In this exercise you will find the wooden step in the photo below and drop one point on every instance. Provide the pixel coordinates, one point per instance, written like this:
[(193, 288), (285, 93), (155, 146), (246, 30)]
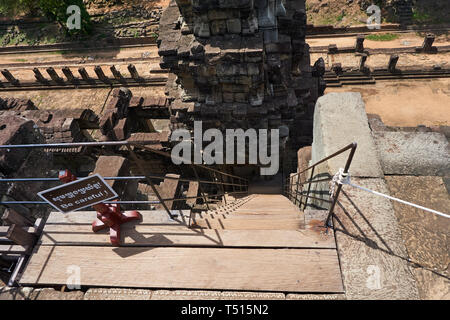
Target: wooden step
[(250, 216), (264, 212), (277, 270), (157, 230), (251, 224)]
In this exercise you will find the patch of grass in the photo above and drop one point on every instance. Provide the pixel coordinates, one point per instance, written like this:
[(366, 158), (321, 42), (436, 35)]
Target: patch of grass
[(420, 16), (382, 37), (340, 17)]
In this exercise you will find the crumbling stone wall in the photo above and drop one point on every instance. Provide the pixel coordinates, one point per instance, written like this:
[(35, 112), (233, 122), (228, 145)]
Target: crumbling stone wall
[(21, 163), (240, 63)]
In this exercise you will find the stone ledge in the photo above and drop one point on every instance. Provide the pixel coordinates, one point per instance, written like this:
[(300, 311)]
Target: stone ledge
[(185, 295), (374, 260), (413, 153), (117, 294), (340, 119)]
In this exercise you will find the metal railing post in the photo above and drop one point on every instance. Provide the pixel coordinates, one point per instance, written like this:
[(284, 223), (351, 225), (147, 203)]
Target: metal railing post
[(200, 187), (149, 180), (221, 186), (338, 190), (309, 189)]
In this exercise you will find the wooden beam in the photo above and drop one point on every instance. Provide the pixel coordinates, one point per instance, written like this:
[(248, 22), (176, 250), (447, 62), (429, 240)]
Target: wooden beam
[(4, 230), (20, 236), (179, 235), (13, 249), (157, 229), (11, 217)]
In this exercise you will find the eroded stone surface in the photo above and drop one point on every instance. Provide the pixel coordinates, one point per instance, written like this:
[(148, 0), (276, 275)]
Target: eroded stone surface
[(230, 295), (52, 294), (293, 296), (426, 235), (413, 153), (117, 294), (185, 295), (8, 293), (374, 260)]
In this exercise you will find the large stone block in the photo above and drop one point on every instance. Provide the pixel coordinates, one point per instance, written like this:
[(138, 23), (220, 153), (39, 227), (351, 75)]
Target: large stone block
[(413, 153), (16, 130), (372, 254), (115, 166), (341, 119)]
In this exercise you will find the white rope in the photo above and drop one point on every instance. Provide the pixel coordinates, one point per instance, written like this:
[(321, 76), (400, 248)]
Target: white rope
[(344, 178)]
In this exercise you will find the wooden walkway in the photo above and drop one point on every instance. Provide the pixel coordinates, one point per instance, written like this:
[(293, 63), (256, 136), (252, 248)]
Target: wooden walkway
[(259, 243)]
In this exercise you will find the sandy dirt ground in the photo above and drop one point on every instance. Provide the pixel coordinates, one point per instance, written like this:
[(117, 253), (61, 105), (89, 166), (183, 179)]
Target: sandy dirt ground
[(95, 9), (93, 99), (143, 68), (24, 62), (148, 52), (404, 40), (406, 103), (406, 60)]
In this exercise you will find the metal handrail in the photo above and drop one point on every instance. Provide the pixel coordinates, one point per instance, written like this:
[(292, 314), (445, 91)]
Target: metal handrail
[(241, 182), (130, 201), (289, 184), (165, 154), (116, 179), (141, 144)]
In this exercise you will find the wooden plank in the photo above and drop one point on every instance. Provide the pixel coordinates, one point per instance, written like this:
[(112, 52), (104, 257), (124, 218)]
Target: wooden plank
[(178, 235), (253, 224), (240, 211), (4, 230), (232, 216), (11, 217), (149, 217), (157, 229), (13, 249), (277, 270), (20, 236)]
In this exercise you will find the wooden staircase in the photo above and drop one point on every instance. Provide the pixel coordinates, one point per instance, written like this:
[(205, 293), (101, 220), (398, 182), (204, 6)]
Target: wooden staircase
[(255, 212), (260, 242)]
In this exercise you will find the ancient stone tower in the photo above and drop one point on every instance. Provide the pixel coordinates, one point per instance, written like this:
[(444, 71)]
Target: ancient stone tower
[(240, 64)]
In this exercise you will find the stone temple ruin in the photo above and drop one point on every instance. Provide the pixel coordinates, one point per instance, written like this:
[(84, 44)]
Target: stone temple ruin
[(240, 64), (231, 64)]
